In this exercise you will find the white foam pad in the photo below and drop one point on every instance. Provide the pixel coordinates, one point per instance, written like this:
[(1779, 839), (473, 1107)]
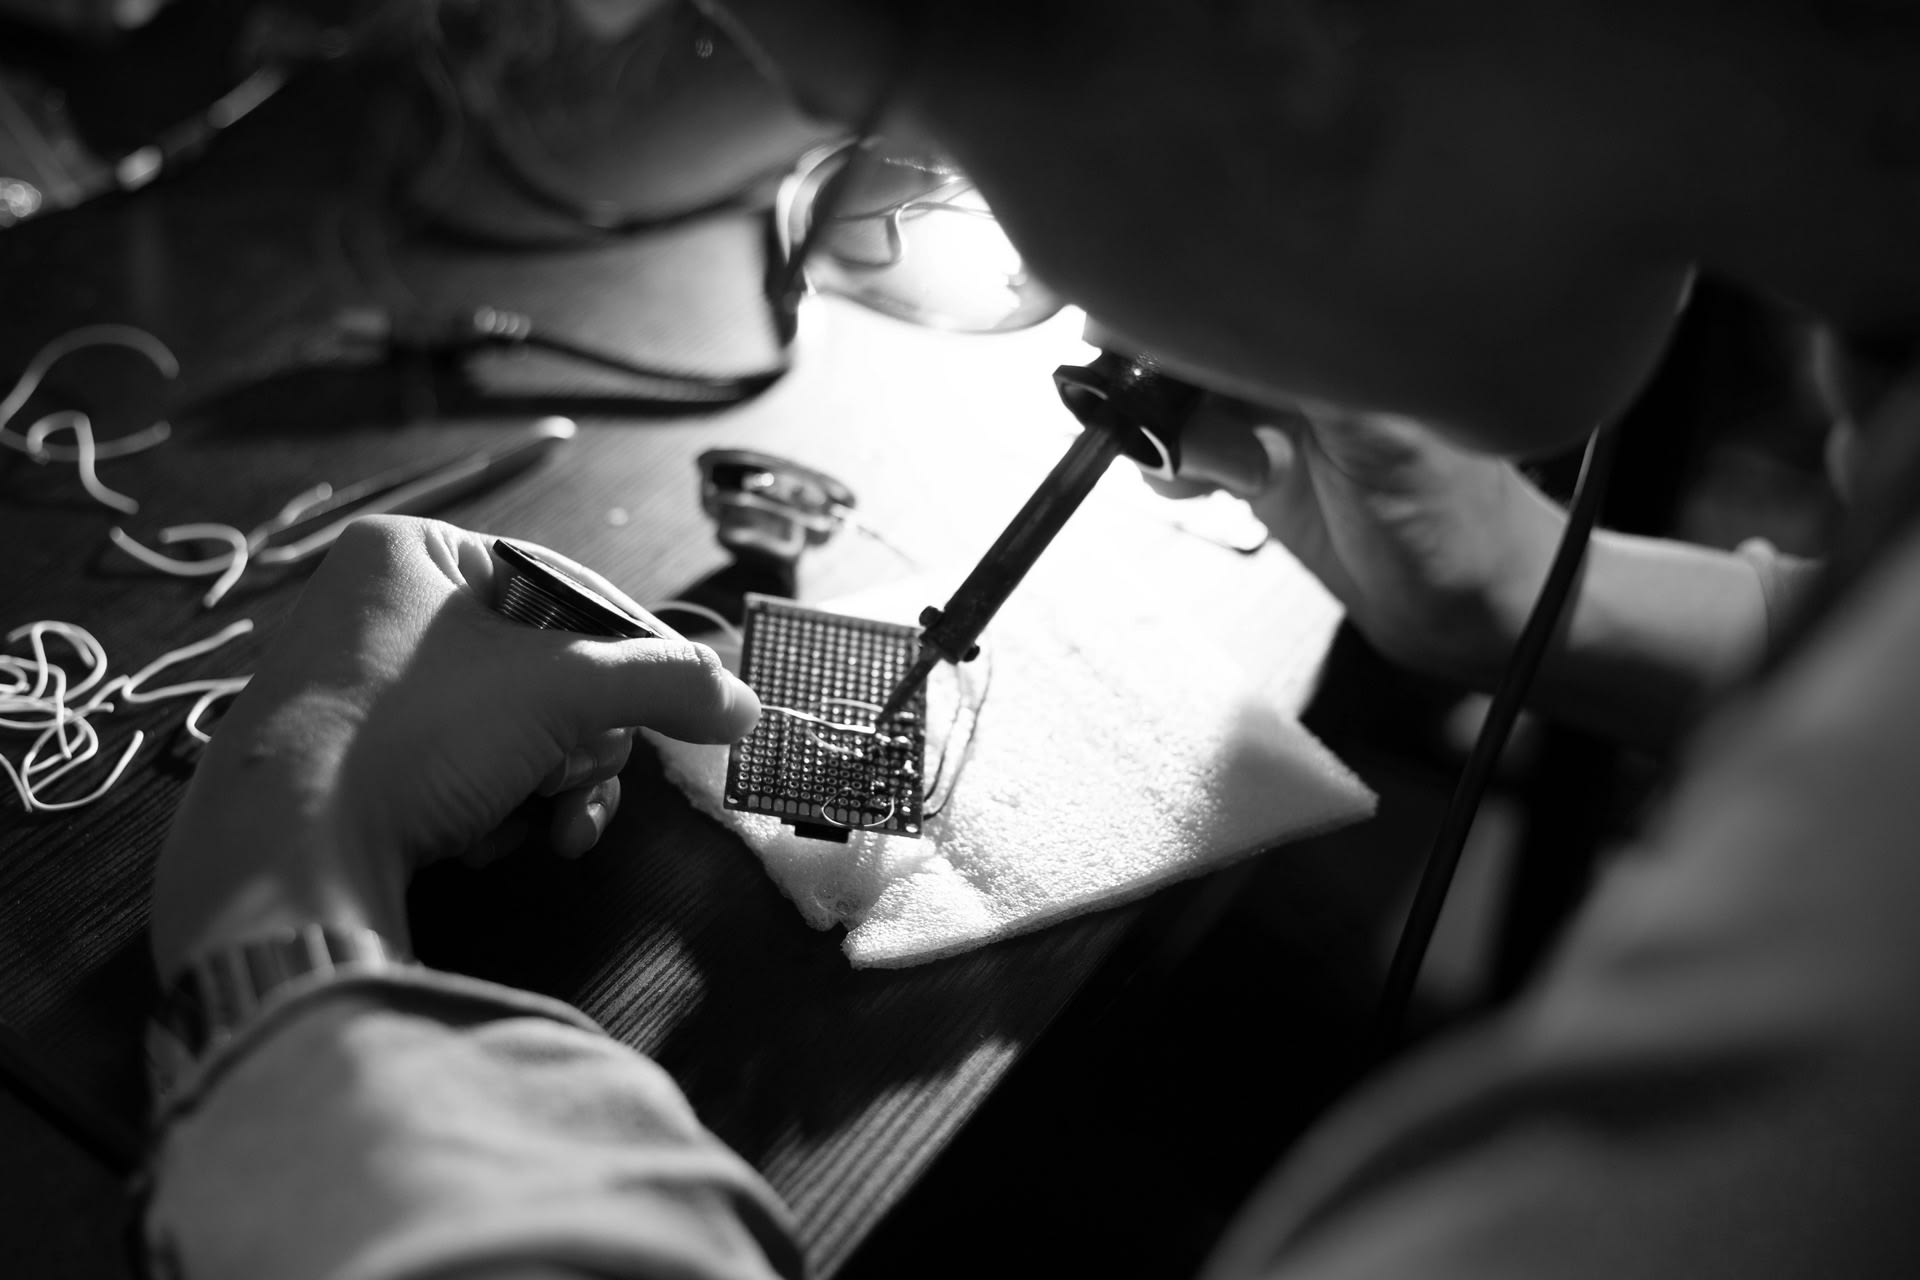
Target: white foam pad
[(1139, 727)]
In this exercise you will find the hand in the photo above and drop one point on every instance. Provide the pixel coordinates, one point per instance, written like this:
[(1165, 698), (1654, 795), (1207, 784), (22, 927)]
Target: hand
[(1436, 553), (398, 719)]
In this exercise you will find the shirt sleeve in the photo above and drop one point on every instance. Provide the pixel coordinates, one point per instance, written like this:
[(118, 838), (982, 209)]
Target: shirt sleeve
[(1716, 1075), (412, 1124), (1784, 579)]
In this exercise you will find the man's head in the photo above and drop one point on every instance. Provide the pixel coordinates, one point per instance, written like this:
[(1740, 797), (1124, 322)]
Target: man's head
[(1479, 212)]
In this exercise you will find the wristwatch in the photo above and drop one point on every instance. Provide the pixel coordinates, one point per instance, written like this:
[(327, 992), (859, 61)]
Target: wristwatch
[(222, 991)]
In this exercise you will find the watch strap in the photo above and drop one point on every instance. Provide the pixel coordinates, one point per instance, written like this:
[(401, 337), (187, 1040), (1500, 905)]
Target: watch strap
[(222, 991)]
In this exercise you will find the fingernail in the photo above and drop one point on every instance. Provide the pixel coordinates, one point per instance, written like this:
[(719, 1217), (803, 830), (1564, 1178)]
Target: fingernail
[(575, 844), (572, 771), (1279, 448)]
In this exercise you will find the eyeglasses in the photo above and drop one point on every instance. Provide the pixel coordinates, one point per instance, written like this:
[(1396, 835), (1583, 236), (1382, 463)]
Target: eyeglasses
[(906, 233)]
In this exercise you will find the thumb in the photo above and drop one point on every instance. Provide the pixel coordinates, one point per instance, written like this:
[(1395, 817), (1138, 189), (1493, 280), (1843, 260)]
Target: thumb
[(671, 686), (1237, 445), (1220, 450)]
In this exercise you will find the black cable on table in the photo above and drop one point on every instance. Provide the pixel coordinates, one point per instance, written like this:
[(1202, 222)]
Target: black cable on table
[(1508, 700)]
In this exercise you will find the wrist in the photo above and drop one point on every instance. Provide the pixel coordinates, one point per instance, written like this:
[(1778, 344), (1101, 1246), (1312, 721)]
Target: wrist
[(1656, 628), (224, 995), (1466, 630), (1535, 525), (207, 899), (261, 843)]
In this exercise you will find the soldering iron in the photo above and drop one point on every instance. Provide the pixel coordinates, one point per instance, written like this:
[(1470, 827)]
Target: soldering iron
[(1129, 407)]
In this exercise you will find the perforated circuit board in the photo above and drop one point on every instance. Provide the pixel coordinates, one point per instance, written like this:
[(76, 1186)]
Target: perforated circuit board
[(816, 759)]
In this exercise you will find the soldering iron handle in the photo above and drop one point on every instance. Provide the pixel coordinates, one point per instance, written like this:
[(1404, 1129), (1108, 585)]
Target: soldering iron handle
[(1143, 406), (955, 633), (1126, 404)]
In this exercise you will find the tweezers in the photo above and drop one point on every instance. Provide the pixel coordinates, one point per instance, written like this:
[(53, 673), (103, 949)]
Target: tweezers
[(312, 522)]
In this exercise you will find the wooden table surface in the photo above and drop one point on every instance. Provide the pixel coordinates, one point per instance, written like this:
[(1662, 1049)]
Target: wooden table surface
[(839, 1084)]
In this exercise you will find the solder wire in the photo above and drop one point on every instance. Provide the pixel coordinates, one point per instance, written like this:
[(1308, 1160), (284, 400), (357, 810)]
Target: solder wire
[(714, 616), (856, 728), (962, 709), (893, 807)]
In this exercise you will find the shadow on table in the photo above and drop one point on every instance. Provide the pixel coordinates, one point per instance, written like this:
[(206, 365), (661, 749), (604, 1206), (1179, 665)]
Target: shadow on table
[(674, 938), (319, 399)]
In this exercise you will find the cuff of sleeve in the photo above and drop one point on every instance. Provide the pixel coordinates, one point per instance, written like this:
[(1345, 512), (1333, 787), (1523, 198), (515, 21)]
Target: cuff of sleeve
[(411, 1123), (1784, 580), (462, 998)]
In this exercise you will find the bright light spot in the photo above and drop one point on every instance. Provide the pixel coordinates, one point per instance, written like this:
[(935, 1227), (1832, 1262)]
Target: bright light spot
[(18, 200), (964, 253)]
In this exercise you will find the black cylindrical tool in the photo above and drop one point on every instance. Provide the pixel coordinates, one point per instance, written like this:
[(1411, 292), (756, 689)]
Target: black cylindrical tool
[(1128, 406)]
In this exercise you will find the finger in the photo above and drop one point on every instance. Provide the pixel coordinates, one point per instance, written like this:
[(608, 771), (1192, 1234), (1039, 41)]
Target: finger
[(601, 756), (1221, 446), (580, 817), (1177, 489), (672, 687), (1217, 447), (1282, 450)]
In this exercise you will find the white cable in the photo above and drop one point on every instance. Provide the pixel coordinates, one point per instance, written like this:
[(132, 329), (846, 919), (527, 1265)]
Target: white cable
[(177, 656), (85, 455), (206, 701), (296, 506), (56, 806), (40, 698), (80, 638), (238, 545), (63, 763), (229, 565), (164, 563), (93, 335), (19, 784), (718, 619), (124, 446)]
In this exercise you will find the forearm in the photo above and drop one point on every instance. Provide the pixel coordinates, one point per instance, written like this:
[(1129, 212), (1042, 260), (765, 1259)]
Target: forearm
[(404, 1126), (259, 846), (1652, 627), (1656, 627)]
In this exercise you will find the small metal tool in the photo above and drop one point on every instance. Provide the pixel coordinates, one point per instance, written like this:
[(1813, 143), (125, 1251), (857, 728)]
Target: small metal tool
[(540, 594), (305, 531), (1127, 406), (769, 509)]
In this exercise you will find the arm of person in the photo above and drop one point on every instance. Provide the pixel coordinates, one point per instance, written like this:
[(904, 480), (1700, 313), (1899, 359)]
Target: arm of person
[(1438, 555), (422, 1124), (1714, 1074), (1655, 627), (397, 1121)]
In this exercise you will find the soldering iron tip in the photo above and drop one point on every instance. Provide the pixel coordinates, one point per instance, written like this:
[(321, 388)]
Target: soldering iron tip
[(909, 685)]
